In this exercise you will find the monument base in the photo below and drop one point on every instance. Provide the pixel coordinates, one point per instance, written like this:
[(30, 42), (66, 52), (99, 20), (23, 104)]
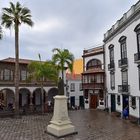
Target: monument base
[(60, 124), (61, 131)]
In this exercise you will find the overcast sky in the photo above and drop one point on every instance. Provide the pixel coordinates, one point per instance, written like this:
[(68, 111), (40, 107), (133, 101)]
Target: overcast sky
[(71, 24)]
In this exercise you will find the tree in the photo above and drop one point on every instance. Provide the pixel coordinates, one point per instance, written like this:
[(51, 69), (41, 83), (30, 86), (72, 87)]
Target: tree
[(0, 32), (63, 58), (39, 71), (14, 16)]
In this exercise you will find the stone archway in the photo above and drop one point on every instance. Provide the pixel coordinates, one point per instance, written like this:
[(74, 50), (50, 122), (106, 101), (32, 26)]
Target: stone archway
[(51, 93), (38, 100), (7, 97), (24, 97)]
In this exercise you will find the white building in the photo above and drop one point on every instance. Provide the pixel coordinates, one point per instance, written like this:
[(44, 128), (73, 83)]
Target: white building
[(122, 58), (93, 77), (74, 90)]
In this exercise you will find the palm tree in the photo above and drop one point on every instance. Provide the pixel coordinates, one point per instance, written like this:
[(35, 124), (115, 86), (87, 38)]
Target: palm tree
[(39, 70), (14, 16), (63, 58), (0, 32)]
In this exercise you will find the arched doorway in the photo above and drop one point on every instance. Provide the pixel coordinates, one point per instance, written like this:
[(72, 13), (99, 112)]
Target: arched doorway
[(51, 93), (24, 98), (7, 99), (38, 100)]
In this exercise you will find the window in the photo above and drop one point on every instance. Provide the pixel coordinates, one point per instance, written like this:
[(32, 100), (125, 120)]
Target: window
[(118, 100), (23, 75), (72, 87), (111, 53), (7, 74), (94, 63), (122, 41), (124, 77), (137, 30), (1, 75), (133, 102), (112, 80)]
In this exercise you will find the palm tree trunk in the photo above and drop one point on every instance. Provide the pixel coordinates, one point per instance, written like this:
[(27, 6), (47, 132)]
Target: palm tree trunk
[(42, 96), (16, 69)]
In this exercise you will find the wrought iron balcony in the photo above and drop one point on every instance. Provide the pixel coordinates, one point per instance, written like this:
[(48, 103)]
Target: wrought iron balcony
[(137, 57), (111, 66), (123, 88), (123, 62), (92, 85)]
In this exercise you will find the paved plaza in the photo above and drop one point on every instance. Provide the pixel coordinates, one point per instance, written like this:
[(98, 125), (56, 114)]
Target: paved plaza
[(90, 124)]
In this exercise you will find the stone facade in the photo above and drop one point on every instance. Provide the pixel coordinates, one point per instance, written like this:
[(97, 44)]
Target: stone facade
[(29, 91)]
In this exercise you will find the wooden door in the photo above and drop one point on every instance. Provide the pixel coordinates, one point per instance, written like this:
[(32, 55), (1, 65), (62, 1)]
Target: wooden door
[(93, 101)]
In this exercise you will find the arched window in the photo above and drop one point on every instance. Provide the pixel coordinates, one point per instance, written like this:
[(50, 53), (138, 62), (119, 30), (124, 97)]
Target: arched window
[(122, 41), (94, 63), (111, 53), (137, 30)]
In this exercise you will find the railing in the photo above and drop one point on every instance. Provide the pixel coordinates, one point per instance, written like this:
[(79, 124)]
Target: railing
[(111, 66), (123, 88), (137, 57), (123, 62), (92, 85)]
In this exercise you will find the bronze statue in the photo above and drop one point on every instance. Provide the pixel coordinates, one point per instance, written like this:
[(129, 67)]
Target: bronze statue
[(60, 86)]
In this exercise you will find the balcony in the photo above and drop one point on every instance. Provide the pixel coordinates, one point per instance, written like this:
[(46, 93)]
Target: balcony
[(92, 85), (123, 62), (111, 66), (123, 88), (137, 57)]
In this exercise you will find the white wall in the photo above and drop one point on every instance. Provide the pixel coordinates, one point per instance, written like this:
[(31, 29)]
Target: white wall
[(77, 91), (133, 79)]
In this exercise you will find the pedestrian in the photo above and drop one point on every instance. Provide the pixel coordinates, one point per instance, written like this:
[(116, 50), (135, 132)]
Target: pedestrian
[(125, 113)]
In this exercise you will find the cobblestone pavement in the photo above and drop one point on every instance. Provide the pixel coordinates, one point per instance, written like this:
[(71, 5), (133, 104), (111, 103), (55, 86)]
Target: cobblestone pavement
[(90, 124)]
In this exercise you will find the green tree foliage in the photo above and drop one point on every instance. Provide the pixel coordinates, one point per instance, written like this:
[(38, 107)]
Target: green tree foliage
[(63, 59)]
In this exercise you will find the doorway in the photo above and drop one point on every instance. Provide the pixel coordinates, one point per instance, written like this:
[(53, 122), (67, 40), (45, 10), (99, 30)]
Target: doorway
[(93, 101), (72, 101), (125, 99), (113, 103), (81, 101)]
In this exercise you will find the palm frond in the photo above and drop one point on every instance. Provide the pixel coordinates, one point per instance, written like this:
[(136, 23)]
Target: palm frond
[(63, 58), (16, 14)]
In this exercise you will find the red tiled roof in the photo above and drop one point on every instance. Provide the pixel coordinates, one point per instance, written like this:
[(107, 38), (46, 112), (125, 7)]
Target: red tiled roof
[(73, 76), (21, 61)]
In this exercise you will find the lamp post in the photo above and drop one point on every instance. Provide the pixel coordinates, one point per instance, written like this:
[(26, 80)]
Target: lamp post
[(42, 91)]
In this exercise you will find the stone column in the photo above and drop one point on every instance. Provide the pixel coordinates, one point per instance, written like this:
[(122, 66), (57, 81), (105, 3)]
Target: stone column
[(46, 104), (31, 102)]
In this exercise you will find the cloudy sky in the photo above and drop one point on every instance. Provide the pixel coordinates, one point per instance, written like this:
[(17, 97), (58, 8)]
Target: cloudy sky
[(71, 24)]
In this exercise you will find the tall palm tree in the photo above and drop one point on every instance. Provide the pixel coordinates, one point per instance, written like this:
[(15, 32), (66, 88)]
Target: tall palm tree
[(63, 58), (14, 16), (0, 32), (39, 70)]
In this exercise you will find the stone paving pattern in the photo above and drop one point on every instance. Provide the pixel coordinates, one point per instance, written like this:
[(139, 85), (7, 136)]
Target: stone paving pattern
[(90, 124)]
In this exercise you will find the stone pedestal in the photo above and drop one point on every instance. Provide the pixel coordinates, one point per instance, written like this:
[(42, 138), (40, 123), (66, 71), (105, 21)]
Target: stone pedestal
[(60, 124)]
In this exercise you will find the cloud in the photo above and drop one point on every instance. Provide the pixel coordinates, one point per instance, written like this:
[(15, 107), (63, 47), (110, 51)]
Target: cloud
[(71, 24)]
